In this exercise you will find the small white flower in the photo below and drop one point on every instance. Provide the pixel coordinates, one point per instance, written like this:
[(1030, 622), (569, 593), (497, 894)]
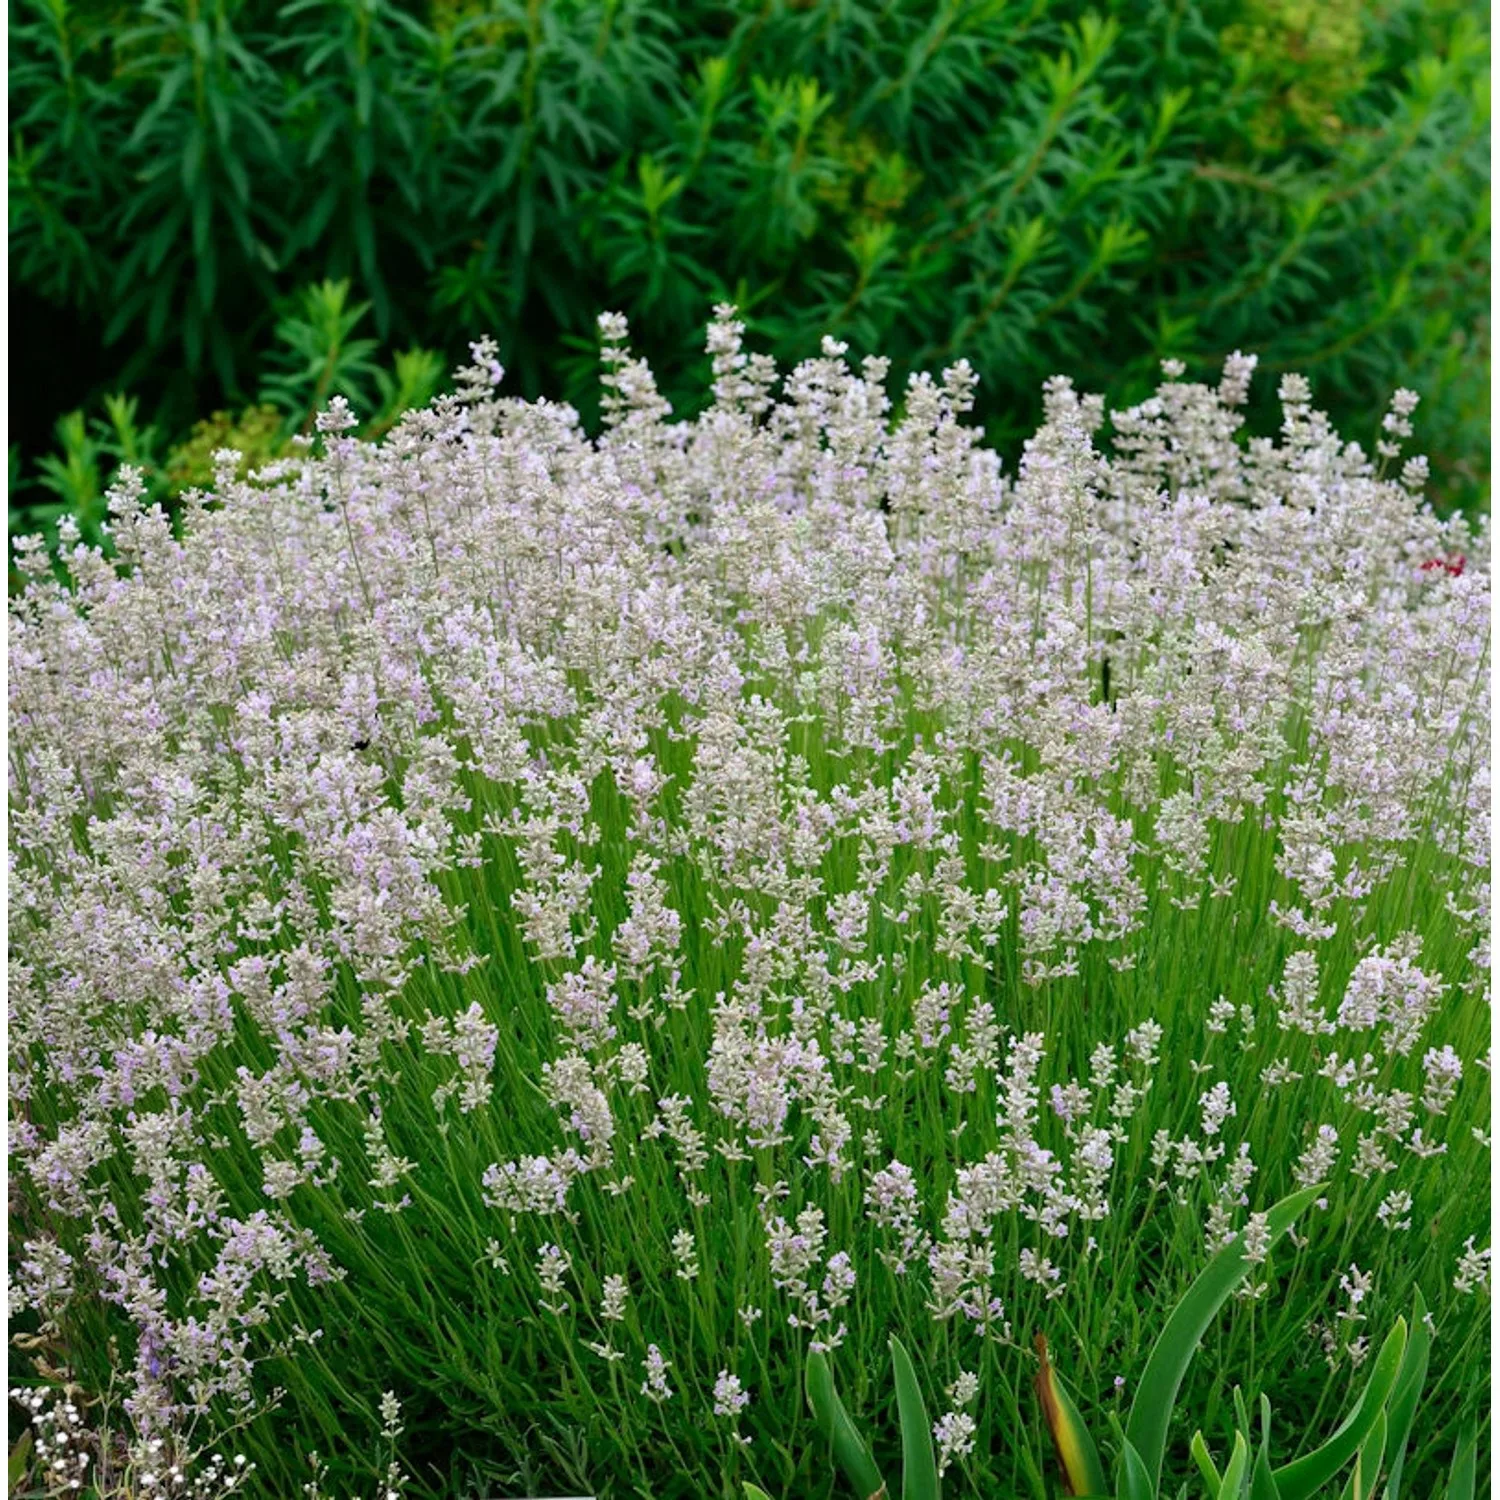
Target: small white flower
[(954, 1432), (730, 1397), (1473, 1268), (655, 1385), (1257, 1238)]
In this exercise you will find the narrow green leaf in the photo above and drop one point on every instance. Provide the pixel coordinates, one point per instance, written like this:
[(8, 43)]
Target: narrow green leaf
[(849, 1449), (1305, 1476), (1206, 1466), (1241, 1411), (1361, 1481), (19, 1462), (1263, 1484), (1135, 1480), (1234, 1471), (1157, 1392), (1402, 1410), (919, 1476), (1082, 1471), (1461, 1476)]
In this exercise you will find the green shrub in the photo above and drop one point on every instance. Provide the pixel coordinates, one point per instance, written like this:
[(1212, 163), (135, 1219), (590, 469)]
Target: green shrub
[(315, 358), (256, 435), (1046, 187)]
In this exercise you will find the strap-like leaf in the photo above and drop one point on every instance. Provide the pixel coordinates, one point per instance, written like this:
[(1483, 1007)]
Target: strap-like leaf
[(1206, 1466), (18, 1463), (849, 1449), (1157, 1392), (1304, 1477), (1263, 1484), (1361, 1482), (1461, 1476), (1241, 1411), (1402, 1409), (1083, 1474), (1135, 1483), (1234, 1470), (919, 1476)]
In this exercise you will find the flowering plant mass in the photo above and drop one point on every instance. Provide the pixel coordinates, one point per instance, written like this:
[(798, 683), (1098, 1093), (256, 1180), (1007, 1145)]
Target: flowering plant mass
[(519, 941)]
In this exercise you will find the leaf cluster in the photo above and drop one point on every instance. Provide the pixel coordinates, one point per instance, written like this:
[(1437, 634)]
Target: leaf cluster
[(316, 355), (1372, 1437)]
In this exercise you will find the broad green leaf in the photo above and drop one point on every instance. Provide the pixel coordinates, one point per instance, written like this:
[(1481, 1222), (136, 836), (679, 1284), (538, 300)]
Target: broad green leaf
[(1402, 1410), (919, 1476), (754, 1492), (1082, 1471), (1135, 1482), (849, 1449), (1157, 1392), (1306, 1476)]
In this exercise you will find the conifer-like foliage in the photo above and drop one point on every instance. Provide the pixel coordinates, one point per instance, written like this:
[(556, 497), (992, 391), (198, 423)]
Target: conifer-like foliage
[(1038, 185)]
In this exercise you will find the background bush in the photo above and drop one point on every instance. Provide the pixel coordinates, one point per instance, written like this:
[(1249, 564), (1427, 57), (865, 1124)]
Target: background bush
[(1036, 185)]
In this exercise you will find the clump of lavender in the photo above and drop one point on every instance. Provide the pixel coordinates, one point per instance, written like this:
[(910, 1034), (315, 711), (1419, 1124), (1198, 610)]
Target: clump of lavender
[(495, 910)]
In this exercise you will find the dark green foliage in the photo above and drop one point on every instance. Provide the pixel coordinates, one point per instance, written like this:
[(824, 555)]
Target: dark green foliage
[(1035, 185), (315, 356)]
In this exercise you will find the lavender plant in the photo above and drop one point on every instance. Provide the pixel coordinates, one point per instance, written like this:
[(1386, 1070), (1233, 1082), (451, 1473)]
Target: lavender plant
[(561, 930)]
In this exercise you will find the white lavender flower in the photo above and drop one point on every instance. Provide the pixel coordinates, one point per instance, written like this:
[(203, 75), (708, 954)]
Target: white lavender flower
[(730, 1397), (655, 1386), (1473, 1268), (765, 812)]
